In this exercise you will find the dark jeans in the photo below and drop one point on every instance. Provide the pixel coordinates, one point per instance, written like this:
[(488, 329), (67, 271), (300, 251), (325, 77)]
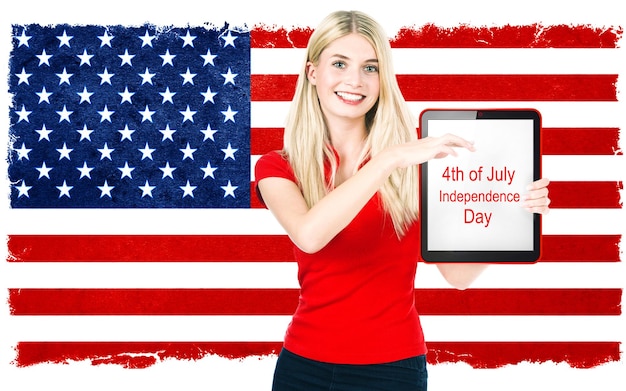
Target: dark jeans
[(295, 373)]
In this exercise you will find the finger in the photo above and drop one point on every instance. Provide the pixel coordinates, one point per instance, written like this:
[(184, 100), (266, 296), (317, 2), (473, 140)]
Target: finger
[(543, 202), (543, 182), (454, 140), (536, 194)]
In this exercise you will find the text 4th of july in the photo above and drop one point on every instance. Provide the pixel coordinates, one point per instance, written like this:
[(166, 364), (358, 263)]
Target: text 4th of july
[(491, 174)]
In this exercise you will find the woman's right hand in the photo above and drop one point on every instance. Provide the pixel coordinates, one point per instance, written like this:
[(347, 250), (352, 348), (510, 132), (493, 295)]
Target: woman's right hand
[(424, 149)]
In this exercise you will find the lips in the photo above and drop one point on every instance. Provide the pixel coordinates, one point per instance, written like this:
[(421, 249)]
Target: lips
[(350, 97)]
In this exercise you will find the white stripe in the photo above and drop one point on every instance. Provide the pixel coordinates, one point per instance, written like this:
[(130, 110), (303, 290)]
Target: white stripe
[(242, 222), (553, 114), (283, 275), (565, 168), (288, 61), (272, 328)]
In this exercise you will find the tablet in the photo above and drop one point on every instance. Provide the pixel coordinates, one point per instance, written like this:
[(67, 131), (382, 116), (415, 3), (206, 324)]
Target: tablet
[(470, 204)]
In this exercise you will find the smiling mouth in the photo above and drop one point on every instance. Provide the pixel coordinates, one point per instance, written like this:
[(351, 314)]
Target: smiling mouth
[(350, 97)]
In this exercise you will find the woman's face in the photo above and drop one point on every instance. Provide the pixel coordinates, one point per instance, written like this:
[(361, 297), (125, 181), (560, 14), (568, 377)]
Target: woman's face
[(346, 79)]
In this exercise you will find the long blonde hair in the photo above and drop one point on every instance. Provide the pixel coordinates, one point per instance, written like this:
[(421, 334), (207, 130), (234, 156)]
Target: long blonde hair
[(307, 140)]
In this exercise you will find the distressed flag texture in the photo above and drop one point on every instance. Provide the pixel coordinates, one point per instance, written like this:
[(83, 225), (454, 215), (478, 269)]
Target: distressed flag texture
[(132, 197)]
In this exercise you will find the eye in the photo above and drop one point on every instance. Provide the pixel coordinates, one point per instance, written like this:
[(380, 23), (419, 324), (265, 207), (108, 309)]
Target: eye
[(339, 64), (371, 68)]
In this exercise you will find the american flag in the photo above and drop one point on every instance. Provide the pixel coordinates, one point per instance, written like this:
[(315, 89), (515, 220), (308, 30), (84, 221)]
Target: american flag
[(136, 239)]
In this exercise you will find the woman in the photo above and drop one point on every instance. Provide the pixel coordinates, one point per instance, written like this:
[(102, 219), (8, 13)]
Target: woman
[(345, 190)]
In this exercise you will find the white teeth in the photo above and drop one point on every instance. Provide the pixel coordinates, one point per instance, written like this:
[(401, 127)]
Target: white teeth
[(348, 96)]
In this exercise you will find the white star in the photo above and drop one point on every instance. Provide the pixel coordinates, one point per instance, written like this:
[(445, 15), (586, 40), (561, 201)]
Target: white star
[(229, 39), (126, 58), (167, 170), (208, 57), (126, 171), (44, 95), (23, 39), (105, 152), (146, 114), (167, 58), (146, 190), (105, 190), (44, 58), (64, 114), (167, 133), (23, 189), (23, 152), (85, 58), (85, 96), (64, 39), (105, 115), (146, 40), (105, 39), (43, 133), (126, 96), (167, 95), (188, 77), (64, 77), (85, 171), (188, 115), (146, 77), (105, 77), (23, 114), (85, 134), (229, 152), (44, 171), (208, 132), (188, 39), (229, 77), (24, 77), (188, 152), (208, 170), (188, 190), (208, 95), (229, 114), (229, 190), (64, 190), (126, 133), (146, 152), (64, 152)]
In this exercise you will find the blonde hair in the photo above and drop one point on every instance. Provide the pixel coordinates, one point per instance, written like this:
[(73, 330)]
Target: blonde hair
[(307, 140)]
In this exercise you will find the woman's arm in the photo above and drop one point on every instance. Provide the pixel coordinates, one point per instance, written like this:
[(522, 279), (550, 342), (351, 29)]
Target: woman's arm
[(461, 275), (311, 229)]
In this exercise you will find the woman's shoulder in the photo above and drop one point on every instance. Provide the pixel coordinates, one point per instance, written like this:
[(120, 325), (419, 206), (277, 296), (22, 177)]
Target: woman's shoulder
[(273, 164)]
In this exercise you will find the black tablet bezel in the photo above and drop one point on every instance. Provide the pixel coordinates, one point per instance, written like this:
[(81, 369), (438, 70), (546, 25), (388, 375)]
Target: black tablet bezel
[(530, 256)]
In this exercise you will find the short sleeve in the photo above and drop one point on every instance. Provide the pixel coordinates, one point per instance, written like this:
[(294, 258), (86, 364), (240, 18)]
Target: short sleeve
[(272, 164)]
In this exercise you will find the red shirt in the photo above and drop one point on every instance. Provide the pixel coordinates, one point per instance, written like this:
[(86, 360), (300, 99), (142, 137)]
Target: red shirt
[(357, 301)]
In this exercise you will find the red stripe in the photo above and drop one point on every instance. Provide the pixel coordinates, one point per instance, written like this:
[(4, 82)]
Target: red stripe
[(585, 194), (284, 301), (243, 248), (431, 36), (554, 141), (149, 248), (476, 354), (499, 354), (468, 87), (580, 141)]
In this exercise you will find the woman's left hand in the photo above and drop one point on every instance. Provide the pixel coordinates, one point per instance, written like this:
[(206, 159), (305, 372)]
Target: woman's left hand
[(536, 200)]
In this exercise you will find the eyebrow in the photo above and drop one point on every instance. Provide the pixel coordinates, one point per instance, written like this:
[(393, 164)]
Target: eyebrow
[(341, 56)]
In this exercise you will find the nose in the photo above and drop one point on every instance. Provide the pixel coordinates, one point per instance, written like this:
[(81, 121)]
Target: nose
[(353, 77)]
